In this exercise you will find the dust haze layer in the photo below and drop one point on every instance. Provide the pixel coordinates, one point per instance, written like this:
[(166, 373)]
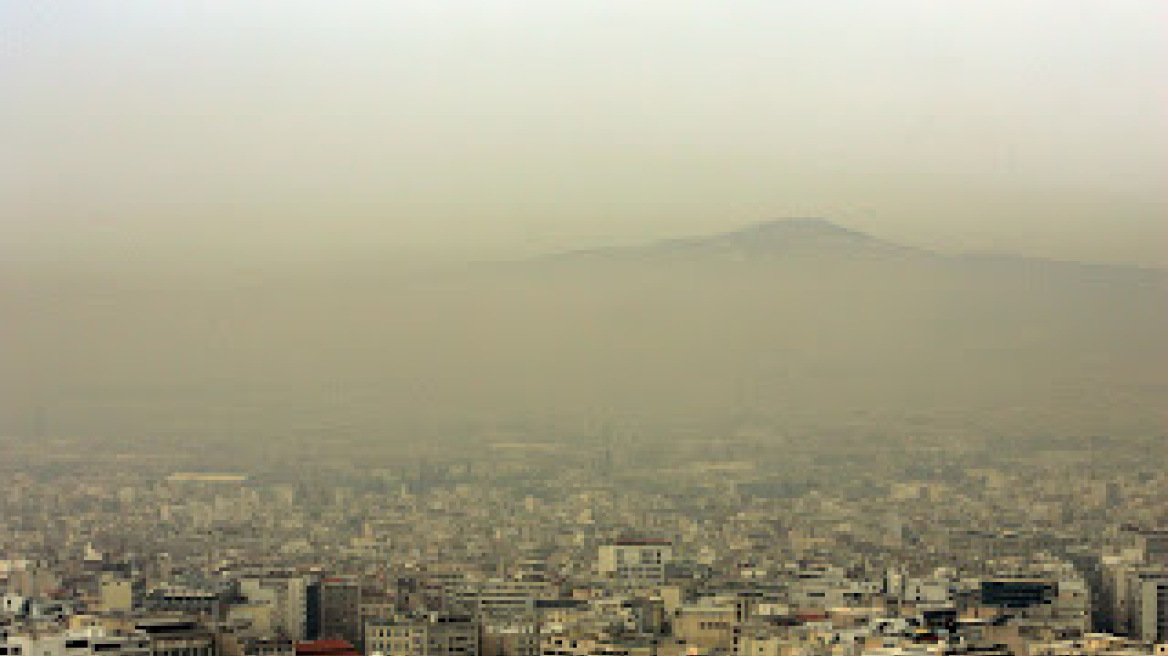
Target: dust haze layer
[(789, 327), (173, 137)]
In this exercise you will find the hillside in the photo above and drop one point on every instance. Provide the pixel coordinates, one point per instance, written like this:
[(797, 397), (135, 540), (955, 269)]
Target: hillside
[(794, 326)]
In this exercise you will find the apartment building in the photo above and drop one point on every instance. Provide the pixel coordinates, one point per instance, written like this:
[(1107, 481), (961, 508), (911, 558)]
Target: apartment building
[(423, 634), (635, 562)]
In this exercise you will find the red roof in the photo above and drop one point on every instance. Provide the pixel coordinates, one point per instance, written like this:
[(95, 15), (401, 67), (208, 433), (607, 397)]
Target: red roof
[(326, 648)]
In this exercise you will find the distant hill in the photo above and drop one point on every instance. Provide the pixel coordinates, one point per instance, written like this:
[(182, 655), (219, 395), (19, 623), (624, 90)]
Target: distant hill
[(799, 237), (803, 239), (789, 327)]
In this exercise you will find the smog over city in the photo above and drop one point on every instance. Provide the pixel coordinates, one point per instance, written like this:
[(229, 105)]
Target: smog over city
[(520, 328)]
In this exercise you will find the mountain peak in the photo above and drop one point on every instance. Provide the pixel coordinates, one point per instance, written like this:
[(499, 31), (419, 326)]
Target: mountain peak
[(811, 223), (799, 237), (814, 236), (800, 227)]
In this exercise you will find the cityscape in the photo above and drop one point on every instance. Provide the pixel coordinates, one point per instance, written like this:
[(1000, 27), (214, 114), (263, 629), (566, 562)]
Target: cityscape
[(603, 546), (584, 328)]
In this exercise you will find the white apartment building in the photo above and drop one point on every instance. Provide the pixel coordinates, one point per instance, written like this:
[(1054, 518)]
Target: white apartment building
[(423, 634), (1152, 610), (88, 642), (287, 596), (638, 562)]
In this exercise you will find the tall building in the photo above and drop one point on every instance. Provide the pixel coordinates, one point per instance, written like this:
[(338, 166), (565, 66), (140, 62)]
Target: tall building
[(340, 610), (1151, 610), (1134, 599), (312, 609), (287, 596)]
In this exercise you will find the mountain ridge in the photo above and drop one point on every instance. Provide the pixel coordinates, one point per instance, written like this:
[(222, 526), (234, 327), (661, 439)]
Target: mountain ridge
[(770, 239), (809, 237), (664, 334)]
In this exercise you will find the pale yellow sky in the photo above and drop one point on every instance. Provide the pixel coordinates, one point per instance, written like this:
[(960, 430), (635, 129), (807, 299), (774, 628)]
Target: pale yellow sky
[(195, 134)]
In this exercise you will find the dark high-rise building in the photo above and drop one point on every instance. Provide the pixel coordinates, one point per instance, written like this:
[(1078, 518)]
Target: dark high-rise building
[(340, 610), (1017, 593), (312, 611)]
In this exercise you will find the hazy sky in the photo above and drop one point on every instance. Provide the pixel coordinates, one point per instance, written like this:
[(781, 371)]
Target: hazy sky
[(208, 132)]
